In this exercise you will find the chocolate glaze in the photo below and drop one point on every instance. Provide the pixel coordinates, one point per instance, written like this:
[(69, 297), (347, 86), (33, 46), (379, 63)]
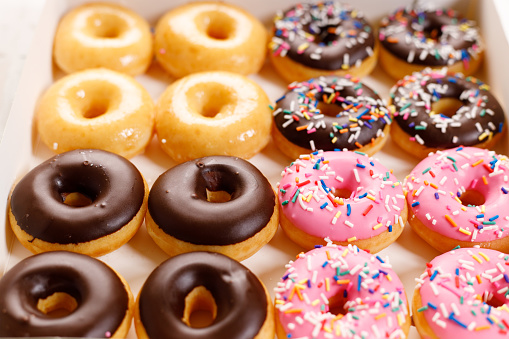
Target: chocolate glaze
[(406, 30), (347, 92), (178, 201), (102, 298), (298, 25), (440, 131), (239, 296), (113, 184)]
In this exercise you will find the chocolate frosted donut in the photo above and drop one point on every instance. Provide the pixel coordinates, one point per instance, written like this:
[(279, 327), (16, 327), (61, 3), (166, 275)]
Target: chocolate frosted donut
[(218, 203), (112, 206), (102, 302), (329, 113), (323, 38), (424, 37), (424, 117), (237, 300)]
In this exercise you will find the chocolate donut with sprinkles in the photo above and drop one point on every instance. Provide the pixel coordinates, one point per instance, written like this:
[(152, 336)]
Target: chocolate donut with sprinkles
[(437, 110), (463, 293), (329, 113), (460, 197), (340, 292), (310, 40), (414, 38)]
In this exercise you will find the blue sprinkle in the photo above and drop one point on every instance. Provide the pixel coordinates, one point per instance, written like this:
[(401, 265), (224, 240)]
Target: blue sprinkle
[(500, 127), (324, 205), (325, 263), (380, 259), (318, 246), (411, 125), (363, 195), (489, 309), (360, 165), (383, 272), (457, 271), (415, 204), (345, 294), (459, 149), (368, 125), (432, 306), (309, 283), (286, 276), (493, 218), (504, 190), (437, 196), (348, 209), (371, 290), (489, 320), (433, 276), (479, 216), (372, 163), (377, 274), (390, 228), (451, 79), (506, 278), (278, 100), (359, 283), (451, 317)]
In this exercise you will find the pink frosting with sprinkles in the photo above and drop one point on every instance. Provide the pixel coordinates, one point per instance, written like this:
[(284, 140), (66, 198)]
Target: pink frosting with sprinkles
[(307, 200), (374, 297), (437, 182), (464, 294)]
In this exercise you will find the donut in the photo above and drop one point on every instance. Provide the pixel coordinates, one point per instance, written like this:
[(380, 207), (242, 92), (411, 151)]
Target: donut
[(462, 293), (344, 196), (86, 201), (436, 110), (64, 294), (96, 108), (459, 197), (217, 204), (103, 35), (236, 299), (329, 113), (340, 292), (213, 113), (209, 36), (412, 39), (326, 38)]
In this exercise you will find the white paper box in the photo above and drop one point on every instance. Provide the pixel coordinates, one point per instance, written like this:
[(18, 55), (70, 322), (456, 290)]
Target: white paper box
[(21, 149)]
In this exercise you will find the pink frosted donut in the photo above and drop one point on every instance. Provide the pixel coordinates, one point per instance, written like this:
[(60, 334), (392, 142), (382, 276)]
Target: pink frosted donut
[(462, 294), (344, 196), (459, 197), (340, 292)]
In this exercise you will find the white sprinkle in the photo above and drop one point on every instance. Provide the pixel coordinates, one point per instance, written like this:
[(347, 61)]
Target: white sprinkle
[(55, 145), (356, 173), (349, 224)]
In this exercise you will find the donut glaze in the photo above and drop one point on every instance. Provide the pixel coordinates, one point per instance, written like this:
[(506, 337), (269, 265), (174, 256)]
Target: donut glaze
[(430, 37), (369, 294), (360, 114), (326, 36), (242, 305), (178, 201), (376, 203), (437, 184), (480, 119), (463, 293), (113, 184), (101, 296)]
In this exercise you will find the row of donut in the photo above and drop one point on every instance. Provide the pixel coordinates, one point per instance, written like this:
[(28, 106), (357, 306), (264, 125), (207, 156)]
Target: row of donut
[(328, 292), (308, 40)]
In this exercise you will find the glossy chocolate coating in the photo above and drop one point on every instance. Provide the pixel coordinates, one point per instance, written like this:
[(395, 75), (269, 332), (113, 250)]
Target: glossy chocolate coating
[(329, 30), (240, 298), (178, 201), (465, 127), (101, 297), (114, 185), (408, 29), (304, 97)]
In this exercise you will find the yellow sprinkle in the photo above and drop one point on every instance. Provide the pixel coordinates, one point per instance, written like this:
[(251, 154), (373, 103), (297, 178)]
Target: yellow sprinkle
[(380, 316), (464, 231), (477, 162), (494, 319), (294, 310), (344, 66), (338, 331), (327, 329), (484, 180), (334, 140), (485, 257), (477, 258), (457, 199), (504, 307), (483, 208), (327, 284), (341, 202), (339, 316), (485, 327), (370, 197), (331, 96), (345, 252), (337, 214), (343, 281), (316, 302), (351, 239), (482, 136), (377, 226), (352, 119), (401, 320), (463, 208), (449, 219), (388, 277), (280, 302), (303, 46), (479, 280), (306, 116)]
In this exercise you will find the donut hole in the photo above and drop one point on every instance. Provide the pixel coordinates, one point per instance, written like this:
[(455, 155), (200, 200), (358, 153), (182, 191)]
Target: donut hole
[(106, 26), (341, 193), (330, 110), (216, 25), (95, 110), (337, 304), (93, 101), (57, 305), (472, 198), (218, 196), (211, 100), (447, 106), (326, 35), (200, 308), (76, 199)]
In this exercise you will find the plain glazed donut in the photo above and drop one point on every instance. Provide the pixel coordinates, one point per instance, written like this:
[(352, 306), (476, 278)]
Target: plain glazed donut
[(462, 294), (96, 108), (340, 292), (85, 201), (210, 36), (103, 35), (344, 196), (428, 117), (98, 302), (329, 113), (213, 113), (216, 204), (459, 197), (415, 38), (327, 38), (238, 302)]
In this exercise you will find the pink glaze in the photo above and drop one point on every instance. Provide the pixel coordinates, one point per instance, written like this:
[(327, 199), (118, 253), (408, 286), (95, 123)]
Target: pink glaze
[(374, 206), (374, 295), (436, 176), (456, 299)]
